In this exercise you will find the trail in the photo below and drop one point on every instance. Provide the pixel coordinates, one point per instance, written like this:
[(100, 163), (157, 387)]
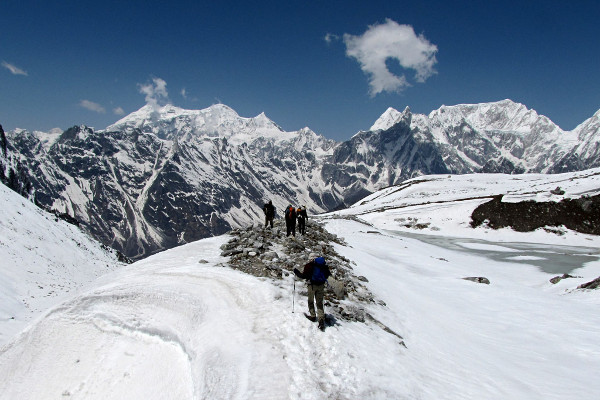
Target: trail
[(171, 327)]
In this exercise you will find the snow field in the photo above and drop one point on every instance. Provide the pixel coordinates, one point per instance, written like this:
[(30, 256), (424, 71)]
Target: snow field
[(516, 338)]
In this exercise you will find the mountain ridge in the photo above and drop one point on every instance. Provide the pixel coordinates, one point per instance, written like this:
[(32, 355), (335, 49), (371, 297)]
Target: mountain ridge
[(165, 176)]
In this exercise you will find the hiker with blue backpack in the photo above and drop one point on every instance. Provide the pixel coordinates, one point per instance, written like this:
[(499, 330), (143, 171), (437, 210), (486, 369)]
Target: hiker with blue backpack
[(316, 273)]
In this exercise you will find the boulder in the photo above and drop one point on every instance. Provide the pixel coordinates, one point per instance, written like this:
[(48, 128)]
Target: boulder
[(557, 279), (590, 285), (478, 279)]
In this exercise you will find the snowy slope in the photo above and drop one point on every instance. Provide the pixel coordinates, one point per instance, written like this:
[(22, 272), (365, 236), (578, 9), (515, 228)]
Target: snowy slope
[(43, 260), (442, 205), (170, 326)]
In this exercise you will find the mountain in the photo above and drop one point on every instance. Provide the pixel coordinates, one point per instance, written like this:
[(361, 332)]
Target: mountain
[(502, 136), (165, 176), (186, 324)]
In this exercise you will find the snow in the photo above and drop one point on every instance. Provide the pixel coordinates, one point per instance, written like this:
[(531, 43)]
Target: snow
[(444, 203), (43, 260), (48, 138), (388, 119), (170, 326), (217, 120)]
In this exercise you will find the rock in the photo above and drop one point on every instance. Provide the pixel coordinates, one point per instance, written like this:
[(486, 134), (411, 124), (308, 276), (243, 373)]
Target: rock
[(231, 252), (590, 285), (338, 288), (270, 255), (203, 261), (478, 279), (526, 216), (557, 279), (362, 279)]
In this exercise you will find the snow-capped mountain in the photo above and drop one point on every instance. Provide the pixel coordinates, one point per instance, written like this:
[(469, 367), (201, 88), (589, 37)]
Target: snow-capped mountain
[(164, 176), (159, 178), (502, 136)]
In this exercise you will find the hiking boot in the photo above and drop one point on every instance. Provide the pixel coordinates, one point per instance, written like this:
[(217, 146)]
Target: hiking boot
[(322, 324)]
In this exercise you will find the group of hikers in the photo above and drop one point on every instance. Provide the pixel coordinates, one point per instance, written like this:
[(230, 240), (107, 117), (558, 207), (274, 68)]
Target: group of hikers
[(315, 272), (291, 215)]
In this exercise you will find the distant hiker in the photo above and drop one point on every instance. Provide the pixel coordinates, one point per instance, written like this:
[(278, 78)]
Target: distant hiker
[(302, 217), (290, 220), (269, 211), (316, 273)]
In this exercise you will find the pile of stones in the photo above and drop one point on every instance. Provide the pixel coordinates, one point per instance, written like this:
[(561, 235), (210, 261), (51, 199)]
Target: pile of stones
[(269, 253)]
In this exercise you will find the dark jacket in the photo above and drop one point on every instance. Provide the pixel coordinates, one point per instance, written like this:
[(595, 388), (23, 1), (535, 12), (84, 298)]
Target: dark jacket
[(302, 216), (269, 210), (308, 271)]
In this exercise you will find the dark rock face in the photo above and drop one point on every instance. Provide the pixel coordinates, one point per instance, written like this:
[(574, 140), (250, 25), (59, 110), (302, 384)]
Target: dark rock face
[(595, 284), (383, 159), (581, 215), (140, 194), (12, 173), (557, 279)]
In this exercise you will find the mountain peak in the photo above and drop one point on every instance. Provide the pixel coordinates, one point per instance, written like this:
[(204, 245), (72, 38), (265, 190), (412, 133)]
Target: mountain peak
[(217, 120), (389, 118)]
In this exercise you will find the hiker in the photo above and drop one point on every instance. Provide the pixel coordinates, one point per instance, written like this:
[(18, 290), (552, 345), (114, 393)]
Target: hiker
[(269, 211), (290, 220), (302, 217), (316, 273)]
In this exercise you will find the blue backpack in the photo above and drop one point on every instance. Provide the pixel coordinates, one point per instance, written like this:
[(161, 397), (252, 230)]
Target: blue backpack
[(318, 274)]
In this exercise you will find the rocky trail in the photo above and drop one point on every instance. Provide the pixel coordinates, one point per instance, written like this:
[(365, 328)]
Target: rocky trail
[(269, 253)]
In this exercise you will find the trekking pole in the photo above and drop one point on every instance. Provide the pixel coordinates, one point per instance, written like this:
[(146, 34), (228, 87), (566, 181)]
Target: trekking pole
[(294, 296)]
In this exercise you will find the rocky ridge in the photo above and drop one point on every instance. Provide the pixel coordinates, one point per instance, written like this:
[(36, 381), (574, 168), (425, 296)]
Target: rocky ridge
[(270, 254)]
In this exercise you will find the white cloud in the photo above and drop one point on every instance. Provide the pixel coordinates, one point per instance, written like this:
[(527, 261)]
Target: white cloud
[(118, 111), (330, 37), (156, 92), (391, 40), (183, 93), (90, 105), (14, 69)]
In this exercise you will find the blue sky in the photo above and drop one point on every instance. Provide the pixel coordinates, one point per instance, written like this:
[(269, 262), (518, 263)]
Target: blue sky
[(333, 66)]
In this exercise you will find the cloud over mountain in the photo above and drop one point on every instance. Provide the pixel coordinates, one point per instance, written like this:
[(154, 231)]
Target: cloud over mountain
[(92, 106), (386, 41), (155, 92)]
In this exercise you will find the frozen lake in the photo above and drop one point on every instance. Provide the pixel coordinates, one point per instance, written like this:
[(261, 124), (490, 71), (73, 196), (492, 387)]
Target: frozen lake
[(553, 259)]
